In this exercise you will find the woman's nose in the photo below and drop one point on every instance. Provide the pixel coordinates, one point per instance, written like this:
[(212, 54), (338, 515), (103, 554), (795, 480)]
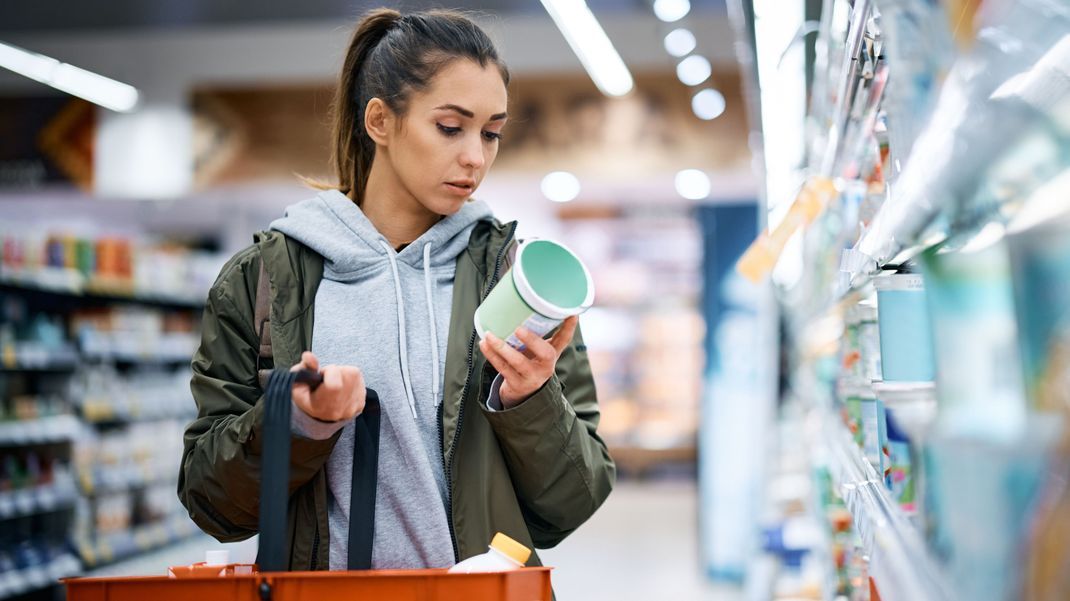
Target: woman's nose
[(472, 156)]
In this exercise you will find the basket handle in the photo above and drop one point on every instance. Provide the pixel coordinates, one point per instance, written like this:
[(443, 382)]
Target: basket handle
[(273, 554)]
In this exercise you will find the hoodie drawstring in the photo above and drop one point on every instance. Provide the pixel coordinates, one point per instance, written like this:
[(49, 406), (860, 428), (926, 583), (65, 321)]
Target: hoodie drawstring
[(401, 327), (434, 325)]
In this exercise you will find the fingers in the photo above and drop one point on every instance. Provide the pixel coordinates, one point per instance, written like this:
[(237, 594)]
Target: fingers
[(563, 337), (342, 394), (354, 382), (490, 347), (308, 361), (332, 379), (540, 350)]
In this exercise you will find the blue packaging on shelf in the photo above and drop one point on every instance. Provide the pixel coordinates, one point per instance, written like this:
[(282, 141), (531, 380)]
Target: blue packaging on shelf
[(905, 335)]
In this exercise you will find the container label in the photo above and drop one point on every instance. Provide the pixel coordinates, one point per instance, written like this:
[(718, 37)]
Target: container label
[(539, 324)]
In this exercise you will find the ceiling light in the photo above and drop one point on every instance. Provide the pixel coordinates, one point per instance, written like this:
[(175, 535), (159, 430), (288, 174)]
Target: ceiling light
[(560, 186), (591, 44), (694, 70), (708, 104), (97, 89), (680, 42), (671, 10), (692, 184)]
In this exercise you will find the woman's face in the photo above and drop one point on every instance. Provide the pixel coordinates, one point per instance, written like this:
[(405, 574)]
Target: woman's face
[(448, 139)]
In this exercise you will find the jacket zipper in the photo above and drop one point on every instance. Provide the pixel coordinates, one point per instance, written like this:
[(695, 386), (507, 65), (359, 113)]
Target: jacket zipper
[(315, 548), (448, 457)]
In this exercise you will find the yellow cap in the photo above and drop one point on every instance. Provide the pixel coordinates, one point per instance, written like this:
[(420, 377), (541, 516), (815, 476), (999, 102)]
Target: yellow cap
[(510, 548)]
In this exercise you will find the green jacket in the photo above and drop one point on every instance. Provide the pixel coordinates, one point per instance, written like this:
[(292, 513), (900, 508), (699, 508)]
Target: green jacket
[(538, 470)]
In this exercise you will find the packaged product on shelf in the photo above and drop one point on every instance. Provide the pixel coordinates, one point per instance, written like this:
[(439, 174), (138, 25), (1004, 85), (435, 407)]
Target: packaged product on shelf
[(870, 415), (910, 414), (918, 46), (1040, 259), (899, 475), (975, 336), (869, 342), (983, 497), (905, 337)]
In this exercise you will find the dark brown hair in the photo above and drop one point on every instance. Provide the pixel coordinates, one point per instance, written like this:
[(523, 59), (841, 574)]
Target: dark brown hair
[(390, 56)]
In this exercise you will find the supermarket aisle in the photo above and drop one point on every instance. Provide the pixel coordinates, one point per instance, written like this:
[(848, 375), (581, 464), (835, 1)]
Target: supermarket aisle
[(641, 545)]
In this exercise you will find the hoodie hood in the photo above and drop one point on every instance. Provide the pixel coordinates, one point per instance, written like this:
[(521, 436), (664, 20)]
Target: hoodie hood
[(334, 226), (356, 257)]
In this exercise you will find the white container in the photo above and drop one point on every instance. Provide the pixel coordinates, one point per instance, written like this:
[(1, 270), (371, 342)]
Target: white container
[(503, 555)]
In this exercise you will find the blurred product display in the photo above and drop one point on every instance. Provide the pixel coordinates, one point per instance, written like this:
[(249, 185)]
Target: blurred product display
[(94, 384), (645, 333), (925, 360)]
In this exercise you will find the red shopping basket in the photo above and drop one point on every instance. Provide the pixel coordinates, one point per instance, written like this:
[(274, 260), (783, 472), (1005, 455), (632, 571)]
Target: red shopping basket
[(525, 584), (274, 584)]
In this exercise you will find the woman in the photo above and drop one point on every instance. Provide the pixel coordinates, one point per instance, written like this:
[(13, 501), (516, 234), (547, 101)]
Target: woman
[(374, 283)]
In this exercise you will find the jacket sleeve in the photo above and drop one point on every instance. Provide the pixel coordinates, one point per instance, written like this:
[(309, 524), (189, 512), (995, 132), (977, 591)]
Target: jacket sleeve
[(219, 480), (560, 467)]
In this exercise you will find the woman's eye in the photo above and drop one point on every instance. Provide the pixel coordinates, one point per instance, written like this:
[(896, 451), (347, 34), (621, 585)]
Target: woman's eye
[(491, 136), (449, 131)]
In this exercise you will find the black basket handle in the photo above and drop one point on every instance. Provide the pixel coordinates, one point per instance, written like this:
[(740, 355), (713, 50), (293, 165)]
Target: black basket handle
[(273, 554)]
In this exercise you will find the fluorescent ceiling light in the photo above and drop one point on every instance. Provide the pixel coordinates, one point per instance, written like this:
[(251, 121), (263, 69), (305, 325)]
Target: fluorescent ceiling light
[(692, 184), (680, 42), (708, 104), (694, 70), (97, 89), (561, 186), (671, 10), (591, 45)]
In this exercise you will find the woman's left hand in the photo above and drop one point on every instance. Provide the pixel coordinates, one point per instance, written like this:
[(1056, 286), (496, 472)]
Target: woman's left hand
[(525, 373)]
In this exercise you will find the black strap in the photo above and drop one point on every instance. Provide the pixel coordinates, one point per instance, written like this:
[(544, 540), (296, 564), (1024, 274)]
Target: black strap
[(365, 479), (262, 314), (275, 472)]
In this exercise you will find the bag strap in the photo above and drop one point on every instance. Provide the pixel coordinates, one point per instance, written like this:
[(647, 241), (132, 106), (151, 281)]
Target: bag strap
[(262, 316), (363, 487), (273, 555)]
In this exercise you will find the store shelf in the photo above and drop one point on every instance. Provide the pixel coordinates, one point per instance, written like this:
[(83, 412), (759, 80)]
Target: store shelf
[(900, 563), (68, 283), (37, 500), (105, 481), (28, 580), (45, 430), (107, 414), (110, 549), (26, 358)]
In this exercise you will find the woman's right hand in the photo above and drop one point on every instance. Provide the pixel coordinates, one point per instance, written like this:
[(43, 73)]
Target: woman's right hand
[(340, 397)]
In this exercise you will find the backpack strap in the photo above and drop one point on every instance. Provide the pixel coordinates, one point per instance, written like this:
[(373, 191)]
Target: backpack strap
[(262, 319)]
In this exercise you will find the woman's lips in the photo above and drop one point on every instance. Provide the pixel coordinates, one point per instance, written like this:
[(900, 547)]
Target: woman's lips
[(458, 189)]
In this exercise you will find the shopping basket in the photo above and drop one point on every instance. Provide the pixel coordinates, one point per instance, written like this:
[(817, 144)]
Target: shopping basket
[(271, 582)]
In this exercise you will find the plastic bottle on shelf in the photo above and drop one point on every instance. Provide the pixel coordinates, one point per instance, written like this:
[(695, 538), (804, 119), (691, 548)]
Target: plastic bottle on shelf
[(504, 554)]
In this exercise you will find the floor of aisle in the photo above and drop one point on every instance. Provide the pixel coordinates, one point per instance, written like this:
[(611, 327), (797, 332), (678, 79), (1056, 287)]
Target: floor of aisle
[(641, 545)]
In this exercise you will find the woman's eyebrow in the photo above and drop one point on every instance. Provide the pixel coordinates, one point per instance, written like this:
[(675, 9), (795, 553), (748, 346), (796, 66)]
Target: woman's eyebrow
[(467, 113)]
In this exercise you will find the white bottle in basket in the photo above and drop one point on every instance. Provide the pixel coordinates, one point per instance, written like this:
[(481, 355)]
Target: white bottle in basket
[(504, 554)]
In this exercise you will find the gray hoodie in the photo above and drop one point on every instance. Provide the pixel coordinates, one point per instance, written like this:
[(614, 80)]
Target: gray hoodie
[(387, 313)]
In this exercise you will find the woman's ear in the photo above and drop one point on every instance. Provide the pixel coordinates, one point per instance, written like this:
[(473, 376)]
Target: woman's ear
[(378, 121)]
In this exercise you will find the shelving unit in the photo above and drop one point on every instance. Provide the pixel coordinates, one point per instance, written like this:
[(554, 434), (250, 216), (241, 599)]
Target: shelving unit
[(119, 368), (923, 147), (900, 564)]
